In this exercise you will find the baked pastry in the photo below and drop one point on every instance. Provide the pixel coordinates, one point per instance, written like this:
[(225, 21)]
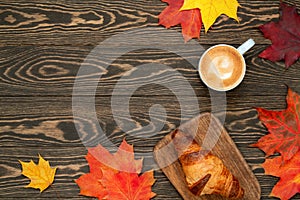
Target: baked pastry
[(204, 172)]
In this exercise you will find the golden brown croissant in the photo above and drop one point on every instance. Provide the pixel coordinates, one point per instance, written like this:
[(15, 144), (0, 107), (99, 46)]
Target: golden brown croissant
[(204, 172)]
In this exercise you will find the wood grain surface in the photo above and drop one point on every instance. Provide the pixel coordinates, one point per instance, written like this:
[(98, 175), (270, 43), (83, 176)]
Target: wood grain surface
[(45, 44), (207, 131), (80, 23)]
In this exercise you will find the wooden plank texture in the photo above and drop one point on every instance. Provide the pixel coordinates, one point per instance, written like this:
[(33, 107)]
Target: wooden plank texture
[(79, 23), (45, 44), (31, 121), (51, 71)]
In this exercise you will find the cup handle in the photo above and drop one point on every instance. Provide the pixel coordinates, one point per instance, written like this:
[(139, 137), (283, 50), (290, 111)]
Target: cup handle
[(246, 46)]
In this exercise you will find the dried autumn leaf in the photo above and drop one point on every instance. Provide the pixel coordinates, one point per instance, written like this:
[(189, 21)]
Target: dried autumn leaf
[(289, 173), (283, 127), (105, 168), (41, 175), (129, 186), (212, 9), (190, 20), (90, 184), (285, 36), (122, 160)]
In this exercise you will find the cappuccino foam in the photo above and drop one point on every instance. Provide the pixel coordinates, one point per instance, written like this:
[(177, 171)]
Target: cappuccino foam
[(222, 67)]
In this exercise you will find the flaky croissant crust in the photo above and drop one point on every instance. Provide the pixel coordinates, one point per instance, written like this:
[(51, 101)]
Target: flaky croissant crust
[(204, 172)]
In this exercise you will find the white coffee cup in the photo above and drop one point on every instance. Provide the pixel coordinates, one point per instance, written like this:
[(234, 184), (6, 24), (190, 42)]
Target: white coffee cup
[(222, 67)]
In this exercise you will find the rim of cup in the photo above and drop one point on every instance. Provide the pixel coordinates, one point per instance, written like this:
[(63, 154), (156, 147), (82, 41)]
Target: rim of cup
[(231, 86)]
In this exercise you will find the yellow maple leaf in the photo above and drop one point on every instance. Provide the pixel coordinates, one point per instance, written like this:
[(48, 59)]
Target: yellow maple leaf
[(41, 175), (212, 9)]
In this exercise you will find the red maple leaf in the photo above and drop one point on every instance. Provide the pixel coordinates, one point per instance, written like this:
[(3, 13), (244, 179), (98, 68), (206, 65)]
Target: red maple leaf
[(283, 127), (106, 168), (190, 20), (289, 173), (285, 36)]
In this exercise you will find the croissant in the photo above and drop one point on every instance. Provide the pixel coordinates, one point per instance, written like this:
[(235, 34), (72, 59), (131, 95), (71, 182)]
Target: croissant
[(204, 172)]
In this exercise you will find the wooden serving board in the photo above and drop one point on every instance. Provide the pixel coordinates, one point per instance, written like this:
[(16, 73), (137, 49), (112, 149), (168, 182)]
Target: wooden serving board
[(201, 126)]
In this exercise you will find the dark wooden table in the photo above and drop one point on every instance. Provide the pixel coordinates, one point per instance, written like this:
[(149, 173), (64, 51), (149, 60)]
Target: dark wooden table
[(44, 44)]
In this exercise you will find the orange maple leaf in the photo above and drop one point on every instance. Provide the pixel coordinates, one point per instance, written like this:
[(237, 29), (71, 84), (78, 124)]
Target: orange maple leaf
[(90, 184), (41, 175), (125, 185), (289, 173), (105, 168), (122, 160), (284, 128), (283, 138)]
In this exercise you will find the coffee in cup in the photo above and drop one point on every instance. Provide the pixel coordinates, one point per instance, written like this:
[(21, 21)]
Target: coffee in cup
[(222, 67)]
